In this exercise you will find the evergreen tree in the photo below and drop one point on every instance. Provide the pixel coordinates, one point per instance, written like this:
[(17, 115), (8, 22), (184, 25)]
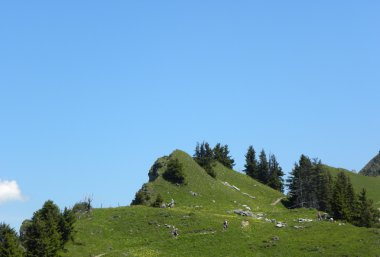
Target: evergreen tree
[(47, 231), (174, 172), (275, 179), (158, 202), (221, 154), (263, 168), (299, 183), (366, 212), (66, 226), (351, 199), (342, 198), (250, 167), (9, 242), (142, 196), (205, 158), (325, 189)]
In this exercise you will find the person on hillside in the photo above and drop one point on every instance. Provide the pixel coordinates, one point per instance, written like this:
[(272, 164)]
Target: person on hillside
[(175, 232), (225, 224)]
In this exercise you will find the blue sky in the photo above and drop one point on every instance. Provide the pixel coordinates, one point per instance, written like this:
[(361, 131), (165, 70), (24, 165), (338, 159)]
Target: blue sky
[(93, 92)]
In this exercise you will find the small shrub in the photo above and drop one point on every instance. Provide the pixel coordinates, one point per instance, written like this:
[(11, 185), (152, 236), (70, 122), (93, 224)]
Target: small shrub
[(142, 196), (174, 172), (158, 202)]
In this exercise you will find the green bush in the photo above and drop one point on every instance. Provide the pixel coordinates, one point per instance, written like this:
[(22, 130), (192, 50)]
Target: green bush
[(174, 172)]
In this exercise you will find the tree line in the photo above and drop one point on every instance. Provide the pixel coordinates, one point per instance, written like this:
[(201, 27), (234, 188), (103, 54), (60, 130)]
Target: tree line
[(312, 186), (309, 185), (45, 234), (207, 157)]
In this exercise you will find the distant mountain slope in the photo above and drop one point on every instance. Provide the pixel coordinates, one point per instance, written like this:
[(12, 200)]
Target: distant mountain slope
[(211, 194), (201, 206), (373, 167), (371, 184)]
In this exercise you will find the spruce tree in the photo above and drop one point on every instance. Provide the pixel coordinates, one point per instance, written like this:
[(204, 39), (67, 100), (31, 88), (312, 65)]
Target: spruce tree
[(263, 168), (221, 154), (174, 172), (47, 231), (250, 167), (339, 204), (367, 214), (351, 201), (205, 158), (66, 226), (325, 189), (299, 183), (9, 242), (275, 179)]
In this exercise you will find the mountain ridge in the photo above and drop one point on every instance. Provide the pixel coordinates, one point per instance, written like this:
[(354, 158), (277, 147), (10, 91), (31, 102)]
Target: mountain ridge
[(372, 168), (201, 206)]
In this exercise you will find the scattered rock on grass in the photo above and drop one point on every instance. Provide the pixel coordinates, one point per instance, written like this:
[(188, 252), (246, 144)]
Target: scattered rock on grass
[(244, 213), (244, 223)]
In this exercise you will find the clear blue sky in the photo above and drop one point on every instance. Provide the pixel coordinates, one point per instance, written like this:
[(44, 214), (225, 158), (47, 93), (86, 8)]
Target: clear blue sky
[(92, 92)]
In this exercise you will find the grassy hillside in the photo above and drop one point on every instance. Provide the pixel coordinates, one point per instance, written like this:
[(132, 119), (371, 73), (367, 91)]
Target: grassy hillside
[(146, 231), (371, 184)]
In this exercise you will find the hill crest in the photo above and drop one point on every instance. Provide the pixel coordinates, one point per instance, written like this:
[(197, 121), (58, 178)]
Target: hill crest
[(372, 168)]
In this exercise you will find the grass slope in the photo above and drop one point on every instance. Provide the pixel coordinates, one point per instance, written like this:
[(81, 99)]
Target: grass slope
[(371, 184), (143, 231)]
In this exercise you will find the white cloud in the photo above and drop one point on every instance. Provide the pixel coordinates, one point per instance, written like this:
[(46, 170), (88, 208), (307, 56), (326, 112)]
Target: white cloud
[(9, 191)]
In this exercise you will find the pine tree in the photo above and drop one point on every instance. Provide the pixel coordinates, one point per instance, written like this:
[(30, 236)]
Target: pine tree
[(298, 183), (205, 158), (250, 167), (46, 233), (263, 168), (351, 201), (221, 154), (340, 203), (275, 179), (366, 216), (325, 188), (158, 202), (9, 242), (174, 172), (66, 226)]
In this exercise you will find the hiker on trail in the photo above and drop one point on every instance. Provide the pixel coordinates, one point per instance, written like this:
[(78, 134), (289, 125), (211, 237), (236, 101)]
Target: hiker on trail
[(175, 232), (225, 224)]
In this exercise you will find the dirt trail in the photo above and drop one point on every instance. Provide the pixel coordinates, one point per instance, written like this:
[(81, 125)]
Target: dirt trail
[(277, 201)]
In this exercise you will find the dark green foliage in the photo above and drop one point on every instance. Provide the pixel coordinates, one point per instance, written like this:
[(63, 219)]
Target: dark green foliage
[(275, 175), (303, 184), (66, 226), (312, 186), (47, 232), (367, 216), (267, 172), (325, 189), (204, 156), (142, 196), (263, 168), (174, 172), (250, 167), (84, 206), (343, 200), (158, 202), (9, 242), (221, 154)]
